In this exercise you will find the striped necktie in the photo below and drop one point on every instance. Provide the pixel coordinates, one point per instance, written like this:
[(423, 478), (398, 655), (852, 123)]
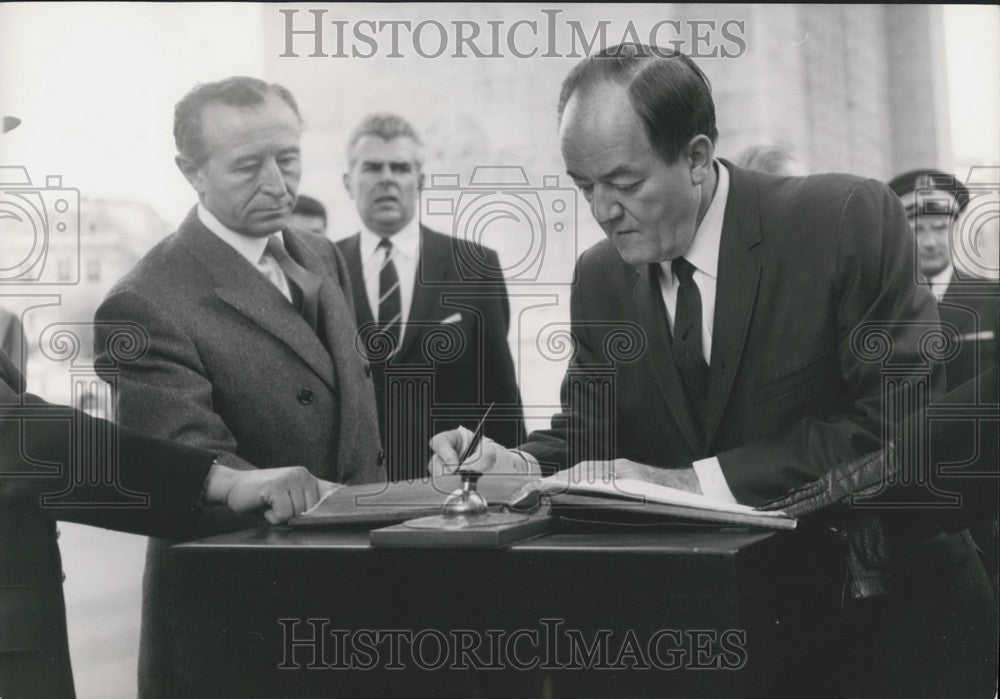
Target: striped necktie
[(304, 284), (390, 305)]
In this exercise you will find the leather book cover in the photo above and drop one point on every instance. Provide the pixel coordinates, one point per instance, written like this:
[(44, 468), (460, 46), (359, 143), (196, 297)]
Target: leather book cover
[(386, 503), (598, 508)]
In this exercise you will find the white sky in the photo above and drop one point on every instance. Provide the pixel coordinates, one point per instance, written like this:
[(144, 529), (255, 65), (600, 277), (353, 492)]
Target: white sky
[(972, 45), (95, 85)]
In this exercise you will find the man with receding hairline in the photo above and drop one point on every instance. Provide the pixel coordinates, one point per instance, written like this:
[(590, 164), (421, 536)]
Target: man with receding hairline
[(251, 330), (749, 291)]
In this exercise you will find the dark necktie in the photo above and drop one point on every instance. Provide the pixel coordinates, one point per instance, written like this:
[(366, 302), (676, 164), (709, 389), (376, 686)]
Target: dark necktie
[(687, 339), (390, 305), (304, 284)]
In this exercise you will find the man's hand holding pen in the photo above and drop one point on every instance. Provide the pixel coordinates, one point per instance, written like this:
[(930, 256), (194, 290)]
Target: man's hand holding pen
[(487, 457)]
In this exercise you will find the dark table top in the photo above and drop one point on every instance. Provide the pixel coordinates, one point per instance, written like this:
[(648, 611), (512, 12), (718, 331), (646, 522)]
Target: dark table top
[(652, 541)]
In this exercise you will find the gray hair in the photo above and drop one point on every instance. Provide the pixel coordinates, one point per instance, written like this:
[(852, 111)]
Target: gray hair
[(386, 126)]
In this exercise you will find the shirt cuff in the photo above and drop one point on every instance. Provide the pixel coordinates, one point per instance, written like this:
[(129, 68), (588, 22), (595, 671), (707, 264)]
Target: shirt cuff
[(203, 497), (713, 482), (530, 462)]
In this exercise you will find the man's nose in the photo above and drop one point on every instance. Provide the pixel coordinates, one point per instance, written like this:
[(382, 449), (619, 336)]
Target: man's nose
[(604, 206), (926, 238), (387, 174), (272, 179)]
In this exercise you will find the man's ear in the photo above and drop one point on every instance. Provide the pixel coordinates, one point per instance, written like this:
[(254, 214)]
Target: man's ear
[(700, 152), (420, 180), (347, 184), (191, 172)]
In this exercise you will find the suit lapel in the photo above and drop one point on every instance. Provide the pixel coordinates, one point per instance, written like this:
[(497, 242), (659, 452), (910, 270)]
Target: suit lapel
[(352, 257), (432, 267), (652, 315), (354, 391), (239, 285), (738, 279)]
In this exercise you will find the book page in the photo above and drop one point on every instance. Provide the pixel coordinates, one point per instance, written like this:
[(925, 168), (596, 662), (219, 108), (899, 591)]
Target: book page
[(643, 491)]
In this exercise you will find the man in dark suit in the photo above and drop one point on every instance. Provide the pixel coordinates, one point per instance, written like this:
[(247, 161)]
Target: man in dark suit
[(177, 480), (969, 307), (763, 309), (445, 323), (249, 325)]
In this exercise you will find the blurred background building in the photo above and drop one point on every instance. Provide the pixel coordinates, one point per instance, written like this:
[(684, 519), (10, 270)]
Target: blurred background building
[(113, 235)]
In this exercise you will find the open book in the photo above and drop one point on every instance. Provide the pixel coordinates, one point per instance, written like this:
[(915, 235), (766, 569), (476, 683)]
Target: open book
[(643, 500), (389, 503), (612, 500)]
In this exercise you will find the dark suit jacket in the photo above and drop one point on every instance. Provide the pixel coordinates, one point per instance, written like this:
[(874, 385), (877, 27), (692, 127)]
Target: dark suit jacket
[(972, 307), (468, 362), (806, 267), (231, 366), (804, 263), (34, 651)]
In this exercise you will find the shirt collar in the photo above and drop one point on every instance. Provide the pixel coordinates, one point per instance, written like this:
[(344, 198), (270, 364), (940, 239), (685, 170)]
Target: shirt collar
[(405, 241), (704, 250), (939, 282), (943, 278), (249, 247)]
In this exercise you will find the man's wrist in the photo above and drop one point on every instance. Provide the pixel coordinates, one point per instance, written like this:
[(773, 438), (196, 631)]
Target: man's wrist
[(217, 483)]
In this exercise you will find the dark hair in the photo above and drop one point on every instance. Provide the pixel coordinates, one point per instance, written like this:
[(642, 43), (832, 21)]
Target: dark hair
[(386, 126), (238, 91), (671, 95), (307, 206), (928, 178)]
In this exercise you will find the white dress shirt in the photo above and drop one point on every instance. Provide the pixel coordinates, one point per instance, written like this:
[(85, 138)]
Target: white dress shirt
[(704, 255), (250, 248), (405, 254)]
